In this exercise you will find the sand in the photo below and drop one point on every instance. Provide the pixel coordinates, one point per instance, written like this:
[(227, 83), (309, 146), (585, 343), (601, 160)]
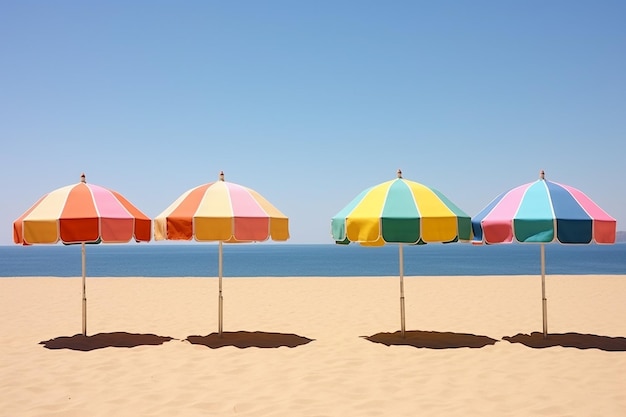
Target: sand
[(313, 347)]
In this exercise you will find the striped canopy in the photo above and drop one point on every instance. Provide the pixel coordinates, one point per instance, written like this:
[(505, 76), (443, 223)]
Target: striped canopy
[(221, 211), (400, 211), (543, 211), (81, 213)]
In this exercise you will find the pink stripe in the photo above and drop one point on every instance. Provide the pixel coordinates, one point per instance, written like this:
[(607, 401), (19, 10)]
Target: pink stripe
[(498, 224), (244, 205), (587, 204), (508, 205), (107, 204)]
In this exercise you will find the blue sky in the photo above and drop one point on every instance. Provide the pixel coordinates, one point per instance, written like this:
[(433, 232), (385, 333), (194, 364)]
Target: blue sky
[(309, 103)]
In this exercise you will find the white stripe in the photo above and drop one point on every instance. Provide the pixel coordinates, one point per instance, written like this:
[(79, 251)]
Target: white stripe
[(51, 206)]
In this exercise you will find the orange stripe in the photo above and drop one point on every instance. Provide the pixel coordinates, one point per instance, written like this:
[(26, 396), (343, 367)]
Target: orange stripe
[(180, 220), (79, 219), (79, 230), (79, 204)]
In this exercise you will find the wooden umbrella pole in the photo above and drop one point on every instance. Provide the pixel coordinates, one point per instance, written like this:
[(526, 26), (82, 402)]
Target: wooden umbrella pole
[(401, 254), (544, 301), (221, 298), (82, 250)]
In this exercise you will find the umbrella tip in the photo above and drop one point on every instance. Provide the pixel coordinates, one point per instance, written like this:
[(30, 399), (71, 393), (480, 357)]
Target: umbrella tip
[(542, 175), (82, 177), (399, 173), (221, 175)]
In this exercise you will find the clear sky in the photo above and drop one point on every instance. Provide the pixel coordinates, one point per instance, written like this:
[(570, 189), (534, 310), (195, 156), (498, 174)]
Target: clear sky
[(309, 103)]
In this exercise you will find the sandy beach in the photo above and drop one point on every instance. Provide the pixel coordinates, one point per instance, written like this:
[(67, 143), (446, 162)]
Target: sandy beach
[(313, 347)]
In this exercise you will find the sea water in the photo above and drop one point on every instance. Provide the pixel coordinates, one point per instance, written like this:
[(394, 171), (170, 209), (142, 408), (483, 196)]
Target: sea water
[(301, 260)]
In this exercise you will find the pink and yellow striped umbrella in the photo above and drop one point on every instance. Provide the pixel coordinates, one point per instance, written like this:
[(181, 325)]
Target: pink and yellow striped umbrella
[(222, 212), (82, 213)]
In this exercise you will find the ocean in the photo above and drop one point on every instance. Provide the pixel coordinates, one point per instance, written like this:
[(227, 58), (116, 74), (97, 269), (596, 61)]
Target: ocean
[(299, 260)]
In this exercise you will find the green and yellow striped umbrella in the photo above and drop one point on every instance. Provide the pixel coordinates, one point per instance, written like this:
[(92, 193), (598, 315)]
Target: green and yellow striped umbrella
[(402, 212)]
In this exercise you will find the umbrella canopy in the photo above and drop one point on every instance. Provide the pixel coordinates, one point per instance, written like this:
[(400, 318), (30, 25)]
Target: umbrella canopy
[(404, 212), (543, 212), (224, 212), (82, 213)]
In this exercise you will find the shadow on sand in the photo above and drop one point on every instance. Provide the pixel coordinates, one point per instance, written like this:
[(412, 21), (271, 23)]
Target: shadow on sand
[(104, 340), (243, 339), (432, 340), (575, 340)]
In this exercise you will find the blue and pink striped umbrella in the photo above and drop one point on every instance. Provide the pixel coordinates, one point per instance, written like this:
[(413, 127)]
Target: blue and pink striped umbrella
[(543, 212)]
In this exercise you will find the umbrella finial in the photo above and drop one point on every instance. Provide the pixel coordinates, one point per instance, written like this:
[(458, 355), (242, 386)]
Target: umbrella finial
[(221, 175), (399, 173), (82, 177), (542, 175)]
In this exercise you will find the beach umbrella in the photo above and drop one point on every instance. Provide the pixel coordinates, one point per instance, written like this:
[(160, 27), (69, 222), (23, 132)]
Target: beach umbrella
[(79, 214), (543, 212), (222, 212), (402, 212)]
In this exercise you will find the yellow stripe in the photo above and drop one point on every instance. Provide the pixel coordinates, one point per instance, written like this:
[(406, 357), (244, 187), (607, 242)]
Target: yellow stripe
[(279, 229), (439, 229), (271, 211), (429, 204), (213, 228), (41, 231), (214, 218), (438, 222), (372, 204), (363, 223), (216, 202)]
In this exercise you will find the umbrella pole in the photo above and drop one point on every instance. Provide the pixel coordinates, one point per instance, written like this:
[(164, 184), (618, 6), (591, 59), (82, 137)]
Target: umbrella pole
[(401, 254), (221, 298), (543, 291), (82, 250)]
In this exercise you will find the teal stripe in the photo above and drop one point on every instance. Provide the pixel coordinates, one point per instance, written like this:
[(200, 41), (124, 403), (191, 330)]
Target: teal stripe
[(338, 222), (400, 202), (400, 218), (534, 221)]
